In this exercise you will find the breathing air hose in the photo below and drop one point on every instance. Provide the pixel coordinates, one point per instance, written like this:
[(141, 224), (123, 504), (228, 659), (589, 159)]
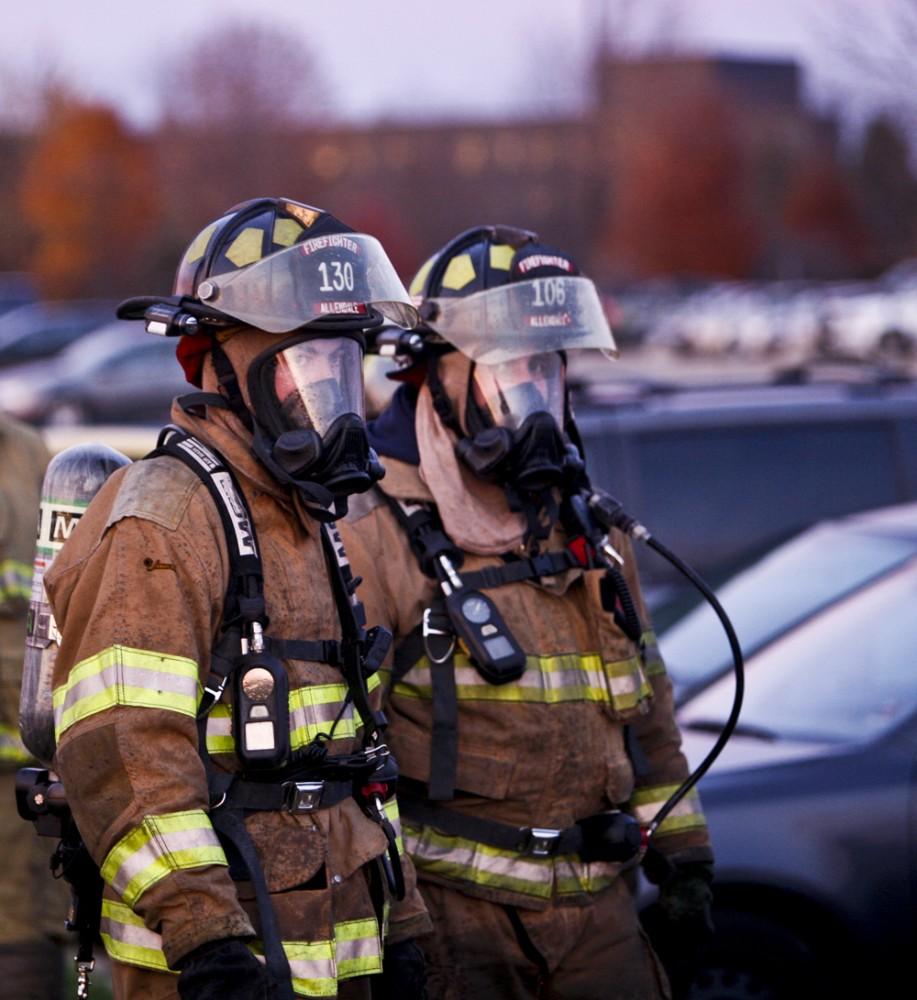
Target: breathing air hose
[(610, 514)]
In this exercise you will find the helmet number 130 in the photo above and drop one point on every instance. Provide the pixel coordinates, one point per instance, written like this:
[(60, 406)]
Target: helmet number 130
[(549, 292), (337, 278)]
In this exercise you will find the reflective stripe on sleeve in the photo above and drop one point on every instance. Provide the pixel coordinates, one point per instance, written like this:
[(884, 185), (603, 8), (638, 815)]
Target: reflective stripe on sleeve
[(547, 680), (160, 845), (127, 938), (120, 675), (317, 966), (357, 948), (313, 710), (392, 813), (645, 803), (15, 581), (652, 658), (12, 750)]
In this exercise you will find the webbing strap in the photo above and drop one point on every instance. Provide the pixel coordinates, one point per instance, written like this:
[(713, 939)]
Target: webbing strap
[(519, 570), (444, 735), (484, 831), (313, 650), (230, 827)]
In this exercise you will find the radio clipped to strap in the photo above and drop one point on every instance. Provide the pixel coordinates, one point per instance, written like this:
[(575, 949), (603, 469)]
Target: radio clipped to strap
[(470, 615)]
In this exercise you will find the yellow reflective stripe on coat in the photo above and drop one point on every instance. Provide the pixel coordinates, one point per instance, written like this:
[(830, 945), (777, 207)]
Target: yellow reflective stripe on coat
[(645, 803), (159, 846), (393, 815), (317, 967), (120, 675), (127, 938), (313, 710), (15, 581), (12, 749), (547, 680), (456, 858), (653, 663)]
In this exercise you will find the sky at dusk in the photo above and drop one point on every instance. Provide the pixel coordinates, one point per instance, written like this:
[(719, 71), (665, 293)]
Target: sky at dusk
[(413, 58)]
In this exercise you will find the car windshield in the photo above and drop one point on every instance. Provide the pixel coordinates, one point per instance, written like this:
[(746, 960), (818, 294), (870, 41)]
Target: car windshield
[(846, 675), (786, 587)]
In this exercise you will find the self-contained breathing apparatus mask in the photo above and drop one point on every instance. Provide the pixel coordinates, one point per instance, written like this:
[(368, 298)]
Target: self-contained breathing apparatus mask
[(295, 271)]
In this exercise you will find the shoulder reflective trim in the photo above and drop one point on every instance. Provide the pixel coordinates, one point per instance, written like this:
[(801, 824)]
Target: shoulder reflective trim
[(12, 749), (653, 663), (313, 710), (357, 948), (127, 939), (15, 581), (687, 815), (159, 846), (547, 680), (119, 675)]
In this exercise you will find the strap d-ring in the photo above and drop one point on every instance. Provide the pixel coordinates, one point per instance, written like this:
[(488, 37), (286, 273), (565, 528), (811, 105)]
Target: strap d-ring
[(431, 630)]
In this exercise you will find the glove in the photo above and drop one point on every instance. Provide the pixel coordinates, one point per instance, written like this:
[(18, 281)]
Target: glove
[(223, 970), (682, 929), (404, 973)]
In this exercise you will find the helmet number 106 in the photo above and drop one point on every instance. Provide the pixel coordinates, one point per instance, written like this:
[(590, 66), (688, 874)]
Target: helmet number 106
[(549, 292), (337, 278)]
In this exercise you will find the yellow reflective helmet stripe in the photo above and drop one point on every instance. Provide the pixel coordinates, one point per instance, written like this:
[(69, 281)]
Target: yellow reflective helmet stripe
[(501, 256), (120, 675), (646, 802), (127, 938), (313, 711), (247, 247), (12, 749), (161, 845), (459, 272), (547, 680), (286, 232)]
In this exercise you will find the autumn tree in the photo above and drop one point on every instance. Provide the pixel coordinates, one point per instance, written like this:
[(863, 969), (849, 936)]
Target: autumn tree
[(678, 200), (821, 216), (87, 193)]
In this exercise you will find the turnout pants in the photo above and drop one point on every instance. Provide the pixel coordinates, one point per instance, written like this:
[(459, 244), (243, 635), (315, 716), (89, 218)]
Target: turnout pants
[(481, 950)]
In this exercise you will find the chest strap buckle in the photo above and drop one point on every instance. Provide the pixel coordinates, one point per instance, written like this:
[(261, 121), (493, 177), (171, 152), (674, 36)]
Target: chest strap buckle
[(541, 842), (303, 796)]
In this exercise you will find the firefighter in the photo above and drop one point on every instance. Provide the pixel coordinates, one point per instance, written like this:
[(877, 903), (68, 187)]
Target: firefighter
[(216, 713), (529, 708), (32, 906)]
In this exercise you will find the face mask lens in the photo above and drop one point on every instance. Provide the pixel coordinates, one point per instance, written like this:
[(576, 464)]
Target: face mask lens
[(513, 390), (316, 381)]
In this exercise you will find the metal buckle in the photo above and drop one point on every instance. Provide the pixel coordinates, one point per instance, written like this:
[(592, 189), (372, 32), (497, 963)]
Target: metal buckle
[(430, 630), (542, 842), (303, 796)]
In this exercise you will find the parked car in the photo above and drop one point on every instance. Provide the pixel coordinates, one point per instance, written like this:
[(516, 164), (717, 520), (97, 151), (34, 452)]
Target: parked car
[(813, 805), (789, 586), (118, 374), (42, 329)]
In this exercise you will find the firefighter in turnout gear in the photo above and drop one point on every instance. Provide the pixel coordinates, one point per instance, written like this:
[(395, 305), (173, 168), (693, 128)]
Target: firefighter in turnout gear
[(529, 708), (216, 705), (32, 906)]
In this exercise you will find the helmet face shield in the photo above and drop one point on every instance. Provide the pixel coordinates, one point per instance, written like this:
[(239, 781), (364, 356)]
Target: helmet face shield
[(511, 391), (525, 318), (309, 385), (337, 275)]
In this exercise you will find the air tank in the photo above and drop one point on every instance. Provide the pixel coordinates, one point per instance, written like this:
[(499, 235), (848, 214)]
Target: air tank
[(72, 479)]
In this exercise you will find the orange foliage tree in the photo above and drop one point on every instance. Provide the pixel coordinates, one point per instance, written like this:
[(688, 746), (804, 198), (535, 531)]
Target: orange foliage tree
[(678, 196), (88, 196)]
